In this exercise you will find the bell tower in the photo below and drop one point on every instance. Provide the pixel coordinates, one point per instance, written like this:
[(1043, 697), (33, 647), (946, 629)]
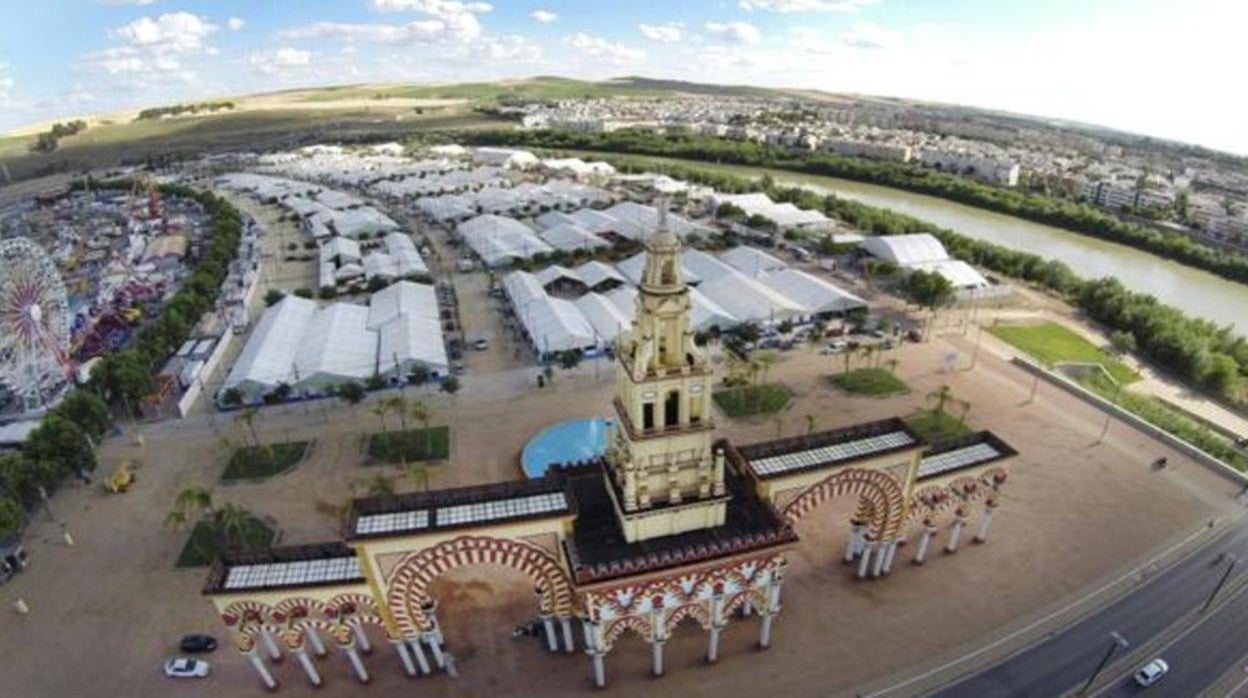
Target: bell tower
[(662, 474)]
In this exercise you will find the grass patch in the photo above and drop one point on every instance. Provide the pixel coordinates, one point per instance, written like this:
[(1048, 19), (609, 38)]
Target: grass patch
[(411, 445), (1161, 415), (1051, 343), (934, 426), (869, 381), (750, 400), (205, 542), (259, 462)]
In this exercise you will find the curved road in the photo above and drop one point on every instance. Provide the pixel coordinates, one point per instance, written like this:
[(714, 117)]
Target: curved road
[(1063, 662)]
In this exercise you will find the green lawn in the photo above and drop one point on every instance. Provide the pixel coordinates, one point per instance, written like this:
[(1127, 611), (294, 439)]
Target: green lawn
[(934, 426), (1163, 416), (869, 381), (205, 542), (409, 446), (1051, 343), (750, 400), (257, 463)]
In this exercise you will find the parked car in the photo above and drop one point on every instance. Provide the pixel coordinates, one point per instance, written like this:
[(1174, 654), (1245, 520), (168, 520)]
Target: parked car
[(1152, 672), (914, 336), (834, 347), (198, 643), (186, 668), (481, 344)]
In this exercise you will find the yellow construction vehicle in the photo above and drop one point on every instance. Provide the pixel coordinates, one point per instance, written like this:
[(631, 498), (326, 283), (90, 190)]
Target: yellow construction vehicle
[(121, 479)]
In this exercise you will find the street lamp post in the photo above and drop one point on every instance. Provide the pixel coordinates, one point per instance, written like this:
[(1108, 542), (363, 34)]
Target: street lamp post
[(1109, 411), (1225, 575), (1117, 642)]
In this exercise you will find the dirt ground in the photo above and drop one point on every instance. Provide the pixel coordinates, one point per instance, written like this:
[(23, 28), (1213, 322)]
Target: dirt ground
[(106, 611)]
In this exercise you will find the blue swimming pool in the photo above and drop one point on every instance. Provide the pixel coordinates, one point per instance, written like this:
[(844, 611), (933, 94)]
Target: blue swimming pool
[(565, 442)]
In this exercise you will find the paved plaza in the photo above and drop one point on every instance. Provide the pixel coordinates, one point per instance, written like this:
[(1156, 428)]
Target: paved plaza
[(108, 610)]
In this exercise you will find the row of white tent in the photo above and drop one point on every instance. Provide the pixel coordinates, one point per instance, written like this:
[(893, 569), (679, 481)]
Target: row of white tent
[(785, 215), (923, 252), (342, 261), (324, 212), (313, 348), (525, 197), (722, 295)]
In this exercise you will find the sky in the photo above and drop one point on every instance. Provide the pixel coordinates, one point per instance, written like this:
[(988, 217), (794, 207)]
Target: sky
[(1156, 67)]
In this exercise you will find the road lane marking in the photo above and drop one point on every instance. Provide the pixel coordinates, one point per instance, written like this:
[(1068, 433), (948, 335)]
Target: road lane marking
[(1083, 599)]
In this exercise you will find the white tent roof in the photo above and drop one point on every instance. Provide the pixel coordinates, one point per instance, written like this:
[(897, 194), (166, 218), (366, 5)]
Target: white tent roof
[(551, 219), (752, 261), (906, 250), (402, 298), (554, 324), (345, 249), (633, 267), (594, 272), (380, 264), (555, 272), (337, 343), (407, 259), (959, 273), (819, 295), (570, 237), (704, 314), (594, 221), (750, 300), (705, 266), (407, 339), (607, 319), (269, 354), (497, 239)]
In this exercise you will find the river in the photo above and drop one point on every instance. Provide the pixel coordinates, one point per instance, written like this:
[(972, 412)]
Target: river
[(1197, 292)]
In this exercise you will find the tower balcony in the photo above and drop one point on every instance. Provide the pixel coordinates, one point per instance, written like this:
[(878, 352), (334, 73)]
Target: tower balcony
[(635, 432)]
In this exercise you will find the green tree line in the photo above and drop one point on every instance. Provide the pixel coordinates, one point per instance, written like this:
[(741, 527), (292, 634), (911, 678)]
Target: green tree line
[(175, 110), (1074, 216), (50, 139)]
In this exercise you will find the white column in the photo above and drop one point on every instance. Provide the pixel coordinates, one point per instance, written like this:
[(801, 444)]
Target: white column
[(864, 562), (717, 624), (308, 667), (257, 663), (552, 643), (270, 645), (712, 650), (764, 634), (924, 541), (984, 521), (889, 552), (421, 660), (401, 647), (314, 639), (600, 669), (656, 655), (431, 637), (881, 552), (851, 547), (353, 656), (431, 614), (568, 644), (361, 639), (955, 534)]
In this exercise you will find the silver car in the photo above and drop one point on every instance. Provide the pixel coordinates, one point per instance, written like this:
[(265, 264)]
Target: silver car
[(186, 668)]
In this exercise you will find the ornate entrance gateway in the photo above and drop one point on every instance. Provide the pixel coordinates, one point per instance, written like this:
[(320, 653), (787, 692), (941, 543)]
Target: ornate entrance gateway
[(670, 525)]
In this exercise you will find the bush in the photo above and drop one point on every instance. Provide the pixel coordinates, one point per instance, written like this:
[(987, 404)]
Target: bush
[(272, 296)]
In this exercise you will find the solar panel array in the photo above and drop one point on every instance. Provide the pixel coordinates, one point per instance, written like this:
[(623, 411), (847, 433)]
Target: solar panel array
[(959, 458), (396, 522), (297, 573), (798, 460), (460, 514), (516, 507)]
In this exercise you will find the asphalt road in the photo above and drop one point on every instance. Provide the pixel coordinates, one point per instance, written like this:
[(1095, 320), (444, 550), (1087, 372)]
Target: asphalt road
[(1198, 657), (1064, 661)]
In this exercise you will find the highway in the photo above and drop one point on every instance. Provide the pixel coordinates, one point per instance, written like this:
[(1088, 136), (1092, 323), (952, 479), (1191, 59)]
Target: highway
[(1200, 655), (1064, 661)]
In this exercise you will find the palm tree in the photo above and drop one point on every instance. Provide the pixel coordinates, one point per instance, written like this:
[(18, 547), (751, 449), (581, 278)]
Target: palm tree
[(378, 485), (231, 520), (381, 409), (865, 352), (418, 471), (423, 413), (810, 424), (847, 354), (942, 396), (966, 407), (248, 417), (398, 405), (892, 365), (191, 501)]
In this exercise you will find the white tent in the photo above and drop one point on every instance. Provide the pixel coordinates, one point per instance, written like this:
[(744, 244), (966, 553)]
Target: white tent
[(959, 273), (337, 346), (598, 275), (268, 357), (406, 342), (571, 237), (498, 240), (607, 319), (402, 298), (817, 294), (750, 301), (905, 250), (752, 262)]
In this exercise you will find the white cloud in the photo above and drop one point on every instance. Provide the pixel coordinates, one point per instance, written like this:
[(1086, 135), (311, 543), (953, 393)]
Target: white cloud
[(154, 47), (459, 18), (421, 32), (122, 3), (663, 33), (869, 35), (785, 6), (235, 23), (280, 61), (736, 32), (599, 47), (544, 16)]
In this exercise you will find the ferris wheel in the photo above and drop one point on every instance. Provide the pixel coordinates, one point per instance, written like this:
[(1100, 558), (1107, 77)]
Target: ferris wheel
[(34, 325)]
